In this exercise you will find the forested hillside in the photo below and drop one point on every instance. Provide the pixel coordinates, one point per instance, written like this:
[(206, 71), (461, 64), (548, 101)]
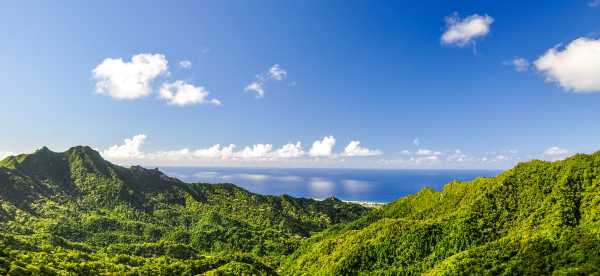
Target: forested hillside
[(538, 218), (74, 212)]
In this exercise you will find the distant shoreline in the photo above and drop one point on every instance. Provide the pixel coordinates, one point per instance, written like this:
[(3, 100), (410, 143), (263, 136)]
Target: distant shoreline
[(365, 203), (368, 204)]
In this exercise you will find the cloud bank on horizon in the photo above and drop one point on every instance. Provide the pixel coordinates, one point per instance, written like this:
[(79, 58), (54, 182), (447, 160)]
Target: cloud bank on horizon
[(131, 152), (321, 153)]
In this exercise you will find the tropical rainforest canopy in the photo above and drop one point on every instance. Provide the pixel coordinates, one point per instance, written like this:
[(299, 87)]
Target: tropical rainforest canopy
[(75, 213)]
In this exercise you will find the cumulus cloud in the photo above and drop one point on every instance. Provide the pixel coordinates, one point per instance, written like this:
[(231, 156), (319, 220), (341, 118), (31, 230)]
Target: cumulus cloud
[(556, 151), (290, 151), (322, 148), (215, 151), (258, 151), (185, 64), (131, 152), (520, 64), (130, 149), (256, 87), (354, 149), (462, 32), (275, 73), (292, 154), (181, 93), (129, 80), (170, 155), (575, 67)]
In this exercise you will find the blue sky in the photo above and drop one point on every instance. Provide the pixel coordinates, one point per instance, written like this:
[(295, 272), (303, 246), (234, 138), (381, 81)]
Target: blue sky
[(374, 72)]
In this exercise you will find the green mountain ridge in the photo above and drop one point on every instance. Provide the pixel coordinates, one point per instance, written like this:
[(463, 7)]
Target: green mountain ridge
[(75, 213), (538, 218), (78, 202)]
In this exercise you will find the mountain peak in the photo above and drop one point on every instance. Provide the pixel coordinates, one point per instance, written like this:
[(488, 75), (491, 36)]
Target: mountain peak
[(44, 149), (84, 151)]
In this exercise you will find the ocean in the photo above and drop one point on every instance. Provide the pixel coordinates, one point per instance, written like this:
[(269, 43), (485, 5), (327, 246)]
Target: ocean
[(367, 185)]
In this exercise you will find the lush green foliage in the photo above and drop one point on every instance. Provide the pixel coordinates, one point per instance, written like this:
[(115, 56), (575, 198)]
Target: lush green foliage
[(74, 212), (537, 218)]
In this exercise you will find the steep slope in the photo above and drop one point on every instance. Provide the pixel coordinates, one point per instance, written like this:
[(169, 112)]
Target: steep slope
[(537, 218), (75, 212)]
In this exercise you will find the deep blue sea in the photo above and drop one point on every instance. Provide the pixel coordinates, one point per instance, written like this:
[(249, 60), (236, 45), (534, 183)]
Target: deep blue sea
[(346, 184)]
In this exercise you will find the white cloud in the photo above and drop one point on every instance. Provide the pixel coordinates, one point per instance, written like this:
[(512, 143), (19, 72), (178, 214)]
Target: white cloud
[(556, 151), (576, 67), (354, 149), (520, 64), (181, 93), (462, 32), (129, 80), (257, 151), (594, 3), (170, 155), (215, 151), (275, 73), (129, 150), (290, 151), (321, 148), (185, 64), (256, 87)]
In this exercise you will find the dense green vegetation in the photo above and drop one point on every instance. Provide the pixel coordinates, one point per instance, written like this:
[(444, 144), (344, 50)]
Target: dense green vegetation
[(538, 218), (75, 213)]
